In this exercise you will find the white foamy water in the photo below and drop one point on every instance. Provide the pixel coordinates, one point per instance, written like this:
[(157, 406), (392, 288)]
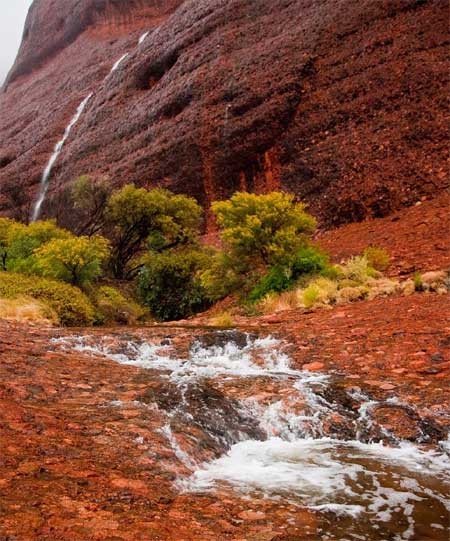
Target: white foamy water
[(378, 492), (229, 359), (56, 152), (370, 482), (319, 469)]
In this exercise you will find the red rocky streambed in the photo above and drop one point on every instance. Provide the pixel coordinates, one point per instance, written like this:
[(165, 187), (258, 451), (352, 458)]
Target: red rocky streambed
[(169, 434)]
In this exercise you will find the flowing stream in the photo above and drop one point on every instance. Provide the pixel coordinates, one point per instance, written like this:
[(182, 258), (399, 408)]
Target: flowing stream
[(242, 422)]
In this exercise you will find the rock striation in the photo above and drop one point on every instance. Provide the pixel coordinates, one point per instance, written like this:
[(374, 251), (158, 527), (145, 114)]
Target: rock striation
[(339, 101)]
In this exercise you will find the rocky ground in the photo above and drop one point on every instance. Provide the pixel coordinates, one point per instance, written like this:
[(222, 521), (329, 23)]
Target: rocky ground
[(416, 238), (74, 467)]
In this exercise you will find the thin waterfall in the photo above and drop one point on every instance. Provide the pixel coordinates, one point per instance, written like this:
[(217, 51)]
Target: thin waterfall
[(58, 147), (117, 64), (143, 38)]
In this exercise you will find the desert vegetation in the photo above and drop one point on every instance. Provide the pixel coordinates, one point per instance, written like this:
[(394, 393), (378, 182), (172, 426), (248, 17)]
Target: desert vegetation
[(137, 254)]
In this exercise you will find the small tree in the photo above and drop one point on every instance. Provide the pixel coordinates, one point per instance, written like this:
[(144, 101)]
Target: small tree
[(90, 198), (76, 260), (263, 229), (155, 219)]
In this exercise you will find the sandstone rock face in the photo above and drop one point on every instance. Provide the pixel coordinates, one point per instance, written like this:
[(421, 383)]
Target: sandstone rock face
[(339, 101)]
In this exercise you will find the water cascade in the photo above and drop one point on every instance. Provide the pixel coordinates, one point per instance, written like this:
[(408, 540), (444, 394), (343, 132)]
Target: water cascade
[(117, 64), (241, 421), (143, 38), (56, 152)]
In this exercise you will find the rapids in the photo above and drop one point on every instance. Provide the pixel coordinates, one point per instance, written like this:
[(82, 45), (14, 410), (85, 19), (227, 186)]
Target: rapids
[(241, 421)]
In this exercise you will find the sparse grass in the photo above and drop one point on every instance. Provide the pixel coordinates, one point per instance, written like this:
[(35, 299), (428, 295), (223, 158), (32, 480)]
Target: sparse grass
[(328, 290), (377, 258), (347, 295), (436, 281), (310, 296), (26, 309), (223, 320), (418, 282), (70, 304), (272, 303), (382, 287), (115, 307), (357, 269), (353, 280)]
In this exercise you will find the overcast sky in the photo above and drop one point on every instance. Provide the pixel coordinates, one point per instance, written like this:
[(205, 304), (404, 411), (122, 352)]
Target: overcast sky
[(12, 20)]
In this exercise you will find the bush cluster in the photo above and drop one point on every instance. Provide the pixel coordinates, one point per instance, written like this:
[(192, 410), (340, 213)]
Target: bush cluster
[(147, 243), (71, 305)]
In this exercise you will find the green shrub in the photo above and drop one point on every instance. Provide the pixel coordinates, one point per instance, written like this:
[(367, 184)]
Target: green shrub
[(23, 240), (139, 219), (70, 305), (275, 281), (418, 282), (114, 307), (220, 277), (357, 269), (331, 272), (307, 263), (377, 258), (309, 260), (263, 229), (169, 285), (311, 296), (320, 291), (89, 197), (77, 260), (6, 226)]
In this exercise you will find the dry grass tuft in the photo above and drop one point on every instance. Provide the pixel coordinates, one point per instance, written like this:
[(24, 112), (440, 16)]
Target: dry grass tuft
[(274, 302), (27, 309), (223, 320)]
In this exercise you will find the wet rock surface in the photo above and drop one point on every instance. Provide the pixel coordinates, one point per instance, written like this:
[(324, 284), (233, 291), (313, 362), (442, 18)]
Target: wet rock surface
[(206, 411), (339, 102), (92, 448)]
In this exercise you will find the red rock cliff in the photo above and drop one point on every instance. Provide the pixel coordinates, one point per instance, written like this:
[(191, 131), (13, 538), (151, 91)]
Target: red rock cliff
[(340, 101)]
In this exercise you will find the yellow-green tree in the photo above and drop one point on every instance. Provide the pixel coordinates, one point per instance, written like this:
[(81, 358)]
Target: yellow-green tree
[(23, 240), (89, 197), (143, 219), (263, 229), (76, 260)]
